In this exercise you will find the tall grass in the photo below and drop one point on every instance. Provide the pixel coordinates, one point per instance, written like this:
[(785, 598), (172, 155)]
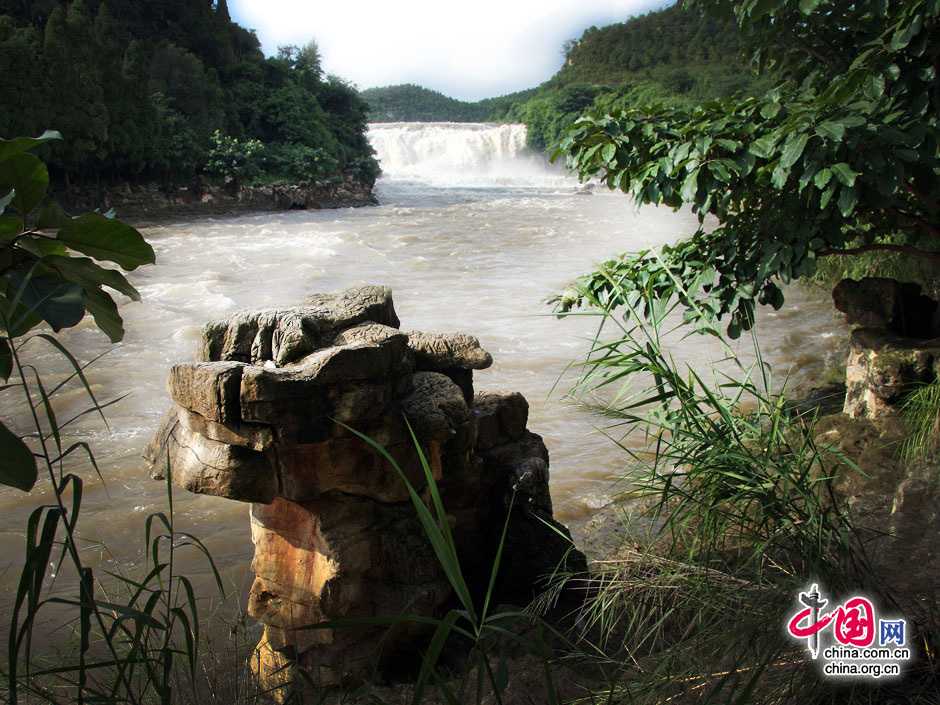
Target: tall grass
[(921, 411), (136, 640), (742, 501)]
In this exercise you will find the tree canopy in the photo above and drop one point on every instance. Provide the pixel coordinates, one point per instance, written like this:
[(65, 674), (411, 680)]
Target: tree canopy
[(840, 158), (139, 88)]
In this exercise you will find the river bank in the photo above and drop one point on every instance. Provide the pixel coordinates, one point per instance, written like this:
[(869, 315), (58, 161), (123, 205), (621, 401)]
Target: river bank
[(151, 201)]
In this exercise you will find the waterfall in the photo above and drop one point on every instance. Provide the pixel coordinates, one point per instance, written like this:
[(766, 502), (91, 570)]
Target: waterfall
[(459, 154)]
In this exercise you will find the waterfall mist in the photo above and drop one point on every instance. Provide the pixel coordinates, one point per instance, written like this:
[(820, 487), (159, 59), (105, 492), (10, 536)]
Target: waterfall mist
[(462, 154)]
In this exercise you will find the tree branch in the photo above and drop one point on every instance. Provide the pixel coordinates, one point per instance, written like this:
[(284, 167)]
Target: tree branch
[(880, 247)]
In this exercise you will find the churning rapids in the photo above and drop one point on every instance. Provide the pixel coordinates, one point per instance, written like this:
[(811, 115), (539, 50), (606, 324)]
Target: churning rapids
[(473, 233)]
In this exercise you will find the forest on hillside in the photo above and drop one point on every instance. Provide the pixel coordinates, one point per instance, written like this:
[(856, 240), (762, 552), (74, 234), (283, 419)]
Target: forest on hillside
[(410, 103), (164, 91), (675, 55)]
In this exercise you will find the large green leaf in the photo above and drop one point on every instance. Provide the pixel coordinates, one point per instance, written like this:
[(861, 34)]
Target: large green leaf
[(690, 186), (17, 464), (844, 173), (105, 311), (108, 240), (88, 274), (59, 303), (832, 130), (793, 150), (28, 175), (51, 216), (20, 320), (9, 148), (41, 246), (763, 147)]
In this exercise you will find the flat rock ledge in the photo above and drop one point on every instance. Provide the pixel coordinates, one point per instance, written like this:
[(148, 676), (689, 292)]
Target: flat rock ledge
[(269, 416)]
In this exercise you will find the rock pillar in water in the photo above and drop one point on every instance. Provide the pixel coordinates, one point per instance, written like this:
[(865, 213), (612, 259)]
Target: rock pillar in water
[(267, 417)]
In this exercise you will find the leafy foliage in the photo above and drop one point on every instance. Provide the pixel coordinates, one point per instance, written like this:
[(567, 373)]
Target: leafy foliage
[(843, 152), (127, 638), (232, 158), (139, 89), (43, 278)]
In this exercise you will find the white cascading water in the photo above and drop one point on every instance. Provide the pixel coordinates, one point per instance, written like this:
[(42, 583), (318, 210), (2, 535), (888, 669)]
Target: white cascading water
[(460, 154)]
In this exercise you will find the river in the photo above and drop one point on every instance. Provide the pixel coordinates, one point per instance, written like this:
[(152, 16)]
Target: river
[(473, 233)]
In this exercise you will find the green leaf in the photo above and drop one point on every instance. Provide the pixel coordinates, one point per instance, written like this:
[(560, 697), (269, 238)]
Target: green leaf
[(822, 178), (88, 274), (9, 148), (609, 152), (764, 147), (770, 110), (844, 173), (848, 198), (52, 216), (28, 175), (57, 302), (793, 150), (808, 6), (108, 240), (690, 187), (6, 359), (875, 87), (780, 176), (105, 311), (17, 464), (834, 131), (41, 246)]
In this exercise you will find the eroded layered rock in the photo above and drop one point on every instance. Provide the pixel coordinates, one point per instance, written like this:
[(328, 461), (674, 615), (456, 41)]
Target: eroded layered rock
[(272, 415), (895, 349), (883, 367)]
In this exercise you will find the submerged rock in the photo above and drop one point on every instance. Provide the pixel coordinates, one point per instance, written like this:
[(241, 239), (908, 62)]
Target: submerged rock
[(272, 416)]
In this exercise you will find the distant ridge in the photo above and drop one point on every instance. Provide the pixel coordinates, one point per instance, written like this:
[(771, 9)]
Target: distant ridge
[(672, 55), (410, 103)]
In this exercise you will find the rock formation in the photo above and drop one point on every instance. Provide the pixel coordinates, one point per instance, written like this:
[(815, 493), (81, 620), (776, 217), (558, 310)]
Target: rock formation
[(266, 417), (896, 347)]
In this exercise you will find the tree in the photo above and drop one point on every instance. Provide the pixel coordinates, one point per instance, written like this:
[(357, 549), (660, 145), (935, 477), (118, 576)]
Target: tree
[(840, 158), (76, 99)]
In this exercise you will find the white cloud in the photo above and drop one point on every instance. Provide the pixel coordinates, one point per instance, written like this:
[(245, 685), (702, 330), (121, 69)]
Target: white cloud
[(470, 49)]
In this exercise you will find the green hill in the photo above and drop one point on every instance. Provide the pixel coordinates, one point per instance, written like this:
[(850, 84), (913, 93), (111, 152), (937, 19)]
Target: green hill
[(670, 55), (411, 103), (679, 48)]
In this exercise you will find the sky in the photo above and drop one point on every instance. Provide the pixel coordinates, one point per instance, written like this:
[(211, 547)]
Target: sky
[(470, 49)]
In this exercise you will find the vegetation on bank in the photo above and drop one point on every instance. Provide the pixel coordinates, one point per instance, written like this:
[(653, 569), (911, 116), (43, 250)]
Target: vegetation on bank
[(140, 89), (841, 158)]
